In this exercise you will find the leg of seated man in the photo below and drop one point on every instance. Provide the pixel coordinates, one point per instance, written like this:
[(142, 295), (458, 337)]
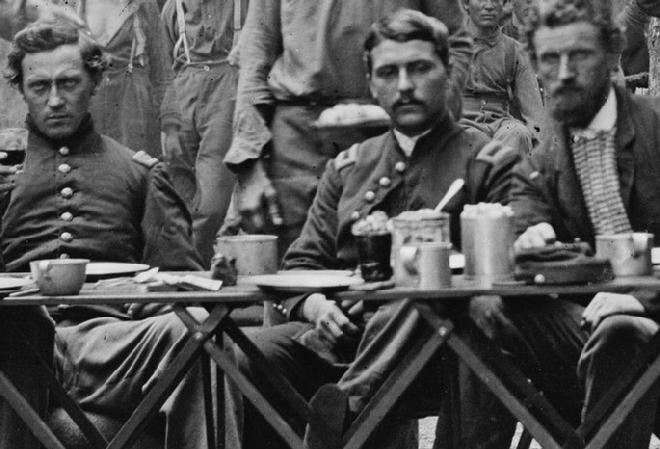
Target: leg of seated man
[(611, 348), (18, 324), (542, 337), (304, 369), (108, 364), (514, 133)]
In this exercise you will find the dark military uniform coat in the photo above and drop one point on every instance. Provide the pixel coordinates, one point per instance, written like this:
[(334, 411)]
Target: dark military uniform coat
[(377, 175)]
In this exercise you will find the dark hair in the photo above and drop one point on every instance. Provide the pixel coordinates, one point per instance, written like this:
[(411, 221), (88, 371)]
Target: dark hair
[(554, 13), (405, 25), (43, 36)]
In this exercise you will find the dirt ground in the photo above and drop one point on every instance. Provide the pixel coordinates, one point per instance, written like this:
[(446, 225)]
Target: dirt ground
[(427, 432)]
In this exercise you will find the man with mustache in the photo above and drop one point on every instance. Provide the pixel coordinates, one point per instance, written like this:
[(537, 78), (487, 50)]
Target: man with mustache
[(500, 80), (407, 168), (596, 173), (297, 59)]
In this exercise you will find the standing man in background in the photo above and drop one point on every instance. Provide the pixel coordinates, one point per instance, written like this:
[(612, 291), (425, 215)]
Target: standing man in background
[(200, 37), (298, 58)]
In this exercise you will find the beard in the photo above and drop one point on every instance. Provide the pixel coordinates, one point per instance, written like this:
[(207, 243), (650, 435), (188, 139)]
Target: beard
[(576, 106)]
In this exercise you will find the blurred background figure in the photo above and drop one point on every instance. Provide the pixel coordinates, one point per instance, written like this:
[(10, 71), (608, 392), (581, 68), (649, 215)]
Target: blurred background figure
[(200, 36), (299, 58), (502, 96)]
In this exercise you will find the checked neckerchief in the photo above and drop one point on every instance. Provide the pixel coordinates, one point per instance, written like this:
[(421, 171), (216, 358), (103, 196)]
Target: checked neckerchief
[(595, 162)]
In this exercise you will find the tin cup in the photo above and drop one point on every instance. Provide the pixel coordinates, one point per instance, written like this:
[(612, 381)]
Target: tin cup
[(255, 254), (629, 253), (424, 266)]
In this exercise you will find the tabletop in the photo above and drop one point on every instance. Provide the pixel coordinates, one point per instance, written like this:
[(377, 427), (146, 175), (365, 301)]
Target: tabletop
[(246, 293)]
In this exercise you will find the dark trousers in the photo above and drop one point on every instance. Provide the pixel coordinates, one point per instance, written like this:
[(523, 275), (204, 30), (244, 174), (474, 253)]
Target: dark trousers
[(573, 368), (389, 334), (18, 326)]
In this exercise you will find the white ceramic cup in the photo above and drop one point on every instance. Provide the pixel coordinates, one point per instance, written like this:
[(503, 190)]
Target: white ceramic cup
[(629, 253), (424, 265), (59, 276)]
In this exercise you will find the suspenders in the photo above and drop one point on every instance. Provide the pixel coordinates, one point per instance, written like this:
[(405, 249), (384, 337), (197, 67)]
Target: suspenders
[(181, 24)]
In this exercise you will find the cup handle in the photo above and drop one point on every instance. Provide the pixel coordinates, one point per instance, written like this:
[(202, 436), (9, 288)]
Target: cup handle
[(640, 244), (409, 258), (44, 268)]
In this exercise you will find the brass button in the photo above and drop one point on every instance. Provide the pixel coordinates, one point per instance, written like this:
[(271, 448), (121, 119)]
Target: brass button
[(64, 168), (64, 151), (66, 192), (64, 256), (384, 181), (400, 166), (355, 215), (66, 216), (370, 196), (66, 236)]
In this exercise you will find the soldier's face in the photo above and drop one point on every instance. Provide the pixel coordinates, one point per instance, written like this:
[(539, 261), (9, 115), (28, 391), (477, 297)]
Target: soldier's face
[(485, 13), (573, 65), (409, 80), (57, 90)]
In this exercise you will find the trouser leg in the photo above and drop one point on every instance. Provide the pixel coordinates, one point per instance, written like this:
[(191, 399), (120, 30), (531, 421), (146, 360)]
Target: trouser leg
[(214, 180), (306, 371), (108, 365), (18, 325), (611, 348), (542, 337)]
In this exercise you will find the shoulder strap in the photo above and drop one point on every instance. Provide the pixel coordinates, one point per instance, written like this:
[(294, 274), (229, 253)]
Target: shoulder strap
[(181, 25), (510, 64), (238, 21), (346, 157)]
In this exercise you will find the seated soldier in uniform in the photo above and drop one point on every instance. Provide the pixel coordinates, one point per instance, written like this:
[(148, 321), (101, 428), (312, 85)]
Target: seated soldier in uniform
[(501, 96), (407, 168), (83, 195)]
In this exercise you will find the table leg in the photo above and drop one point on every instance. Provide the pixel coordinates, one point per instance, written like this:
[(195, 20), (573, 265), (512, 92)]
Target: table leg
[(208, 400), (9, 393), (393, 387), (157, 395), (243, 384), (521, 398)]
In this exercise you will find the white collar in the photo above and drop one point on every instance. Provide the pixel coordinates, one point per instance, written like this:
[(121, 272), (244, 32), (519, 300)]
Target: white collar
[(605, 118), (407, 143)]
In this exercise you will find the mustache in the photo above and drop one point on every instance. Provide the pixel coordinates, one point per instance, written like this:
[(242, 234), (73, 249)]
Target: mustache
[(408, 101), (564, 89)]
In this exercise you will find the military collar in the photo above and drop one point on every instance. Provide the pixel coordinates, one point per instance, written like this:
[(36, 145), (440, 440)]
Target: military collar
[(83, 140), (444, 130), (407, 143)]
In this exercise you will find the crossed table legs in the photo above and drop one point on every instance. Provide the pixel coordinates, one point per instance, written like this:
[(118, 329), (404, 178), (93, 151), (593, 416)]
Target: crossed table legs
[(515, 391)]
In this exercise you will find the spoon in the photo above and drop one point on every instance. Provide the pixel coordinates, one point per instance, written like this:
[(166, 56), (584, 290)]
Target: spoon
[(453, 189)]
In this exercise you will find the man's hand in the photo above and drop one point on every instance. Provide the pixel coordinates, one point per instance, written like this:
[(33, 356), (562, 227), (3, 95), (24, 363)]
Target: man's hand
[(257, 199), (172, 146), (536, 236), (329, 320), (7, 174), (608, 304), (138, 311)]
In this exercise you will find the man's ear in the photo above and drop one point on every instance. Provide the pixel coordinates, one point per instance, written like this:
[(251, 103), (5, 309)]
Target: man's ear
[(466, 5), (372, 89)]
